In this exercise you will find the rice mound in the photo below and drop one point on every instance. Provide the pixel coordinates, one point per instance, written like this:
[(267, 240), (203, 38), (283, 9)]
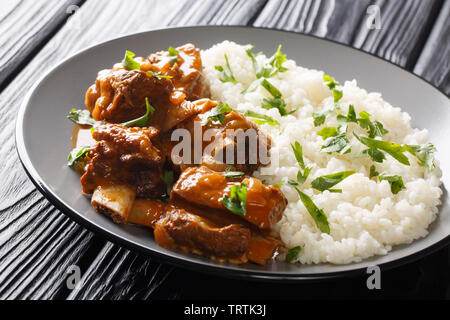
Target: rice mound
[(366, 219)]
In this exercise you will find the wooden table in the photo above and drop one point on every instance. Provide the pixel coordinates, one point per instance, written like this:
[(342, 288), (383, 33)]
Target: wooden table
[(38, 243)]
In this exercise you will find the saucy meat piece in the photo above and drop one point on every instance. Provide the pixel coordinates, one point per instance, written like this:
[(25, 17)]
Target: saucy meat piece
[(179, 228), (236, 141), (205, 187), (124, 156), (118, 95), (186, 72)]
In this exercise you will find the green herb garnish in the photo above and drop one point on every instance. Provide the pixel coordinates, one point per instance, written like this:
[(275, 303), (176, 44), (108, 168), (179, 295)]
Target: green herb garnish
[(373, 172), (217, 114), (375, 129), (301, 176), (142, 121), (317, 214), (293, 253), (338, 143), (268, 70), (351, 116), (76, 155), (424, 154), (260, 118), (328, 181), (233, 174), (237, 201), (226, 73), (169, 180), (158, 75), (393, 149), (173, 55), (82, 117), (328, 132), (332, 84), (395, 181), (129, 63)]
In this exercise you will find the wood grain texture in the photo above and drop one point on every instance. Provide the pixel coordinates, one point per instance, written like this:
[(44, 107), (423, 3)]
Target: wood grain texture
[(37, 242), (434, 61), (405, 24), (19, 40)]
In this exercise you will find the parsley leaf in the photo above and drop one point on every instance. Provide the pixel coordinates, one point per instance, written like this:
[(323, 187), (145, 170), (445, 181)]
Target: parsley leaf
[(393, 149), (173, 55), (142, 121), (271, 88), (169, 180), (424, 154), (276, 61), (317, 214), (260, 118), (237, 201), (375, 129), (233, 174), (276, 103), (129, 63), (76, 155), (328, 181), (332, 84), (293, 253), (339, 143), (351, 115), (158, 75), (217, 114), (328, 132), (373, 172), (395, 181), (301, 176), (226, 73), (319, 118), (82, 117)]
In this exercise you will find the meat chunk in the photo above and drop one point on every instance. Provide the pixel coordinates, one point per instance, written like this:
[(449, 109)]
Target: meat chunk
[(118, 95), (234, 141), (125, 156), (179, 228), (205, 187), (186, 72)]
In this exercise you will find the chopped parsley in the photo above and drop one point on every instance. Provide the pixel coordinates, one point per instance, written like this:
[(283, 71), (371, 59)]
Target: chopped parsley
[(375, 129), (169, 181), (129, 63), (318, 215), (226, 75), (293, 253), (260, 118), (217, 114), (395, 181), (173, 55), (332, 84), (158, 75), (268, 70), (351, 116), (82, 117), (301, 176), (373, 172), (237, 201), (76, 155), (142, 121), (328, 132), (338, 143), (328, 181), (276, 102), (233, 174), (393, 149), (424, 154)]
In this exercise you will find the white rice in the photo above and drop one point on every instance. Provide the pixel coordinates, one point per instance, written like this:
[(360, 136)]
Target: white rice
[(366, 219)]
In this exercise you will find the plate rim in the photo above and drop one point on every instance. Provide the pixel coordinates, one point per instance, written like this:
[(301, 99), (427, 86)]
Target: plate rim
[(193, 264)]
